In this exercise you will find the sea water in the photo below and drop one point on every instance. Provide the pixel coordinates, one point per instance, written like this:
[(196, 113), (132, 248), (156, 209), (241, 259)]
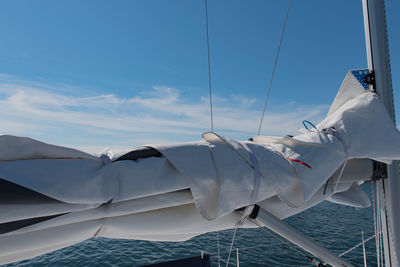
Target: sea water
[(336, 227)]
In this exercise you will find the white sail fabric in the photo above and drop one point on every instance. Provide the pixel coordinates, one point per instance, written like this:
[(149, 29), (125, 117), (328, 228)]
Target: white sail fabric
[(62, 196), (365, 129), (19, 148)]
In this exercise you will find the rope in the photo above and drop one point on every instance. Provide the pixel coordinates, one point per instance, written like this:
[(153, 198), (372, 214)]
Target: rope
[(237, 257), (209, 70), (356, 246), (230, 249), (305, 122), (219, 258), (274, 68), (340, 176)]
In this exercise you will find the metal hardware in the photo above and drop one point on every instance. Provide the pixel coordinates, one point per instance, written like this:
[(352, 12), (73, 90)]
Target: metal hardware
[(370, 79), (379, 171)]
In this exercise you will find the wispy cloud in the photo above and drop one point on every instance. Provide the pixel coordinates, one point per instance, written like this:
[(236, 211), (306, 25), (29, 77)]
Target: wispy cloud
[(78, 117)]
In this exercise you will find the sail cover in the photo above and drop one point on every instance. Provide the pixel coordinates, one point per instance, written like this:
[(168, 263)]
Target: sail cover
[(52, 197)]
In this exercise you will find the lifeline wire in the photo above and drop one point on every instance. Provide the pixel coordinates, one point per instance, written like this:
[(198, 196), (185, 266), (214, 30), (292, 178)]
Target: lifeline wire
[(209, 70), (274, 68)]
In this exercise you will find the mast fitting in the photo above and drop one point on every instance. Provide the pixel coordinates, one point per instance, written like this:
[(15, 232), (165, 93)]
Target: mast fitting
[(370, 79), (379, 171)]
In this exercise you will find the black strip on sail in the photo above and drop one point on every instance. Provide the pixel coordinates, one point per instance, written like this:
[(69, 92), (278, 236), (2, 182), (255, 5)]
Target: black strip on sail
[(15, 225), (141, 153), (197, 261), (12, 193)]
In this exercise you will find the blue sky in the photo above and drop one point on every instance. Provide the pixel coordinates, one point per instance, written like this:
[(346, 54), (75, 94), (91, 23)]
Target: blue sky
[(96, 74)]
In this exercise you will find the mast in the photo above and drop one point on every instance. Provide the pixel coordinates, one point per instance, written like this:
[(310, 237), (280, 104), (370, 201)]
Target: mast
[(388, 190)]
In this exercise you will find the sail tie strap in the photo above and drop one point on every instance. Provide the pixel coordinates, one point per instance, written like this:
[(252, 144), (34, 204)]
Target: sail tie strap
[(249, 210), (257, 175)]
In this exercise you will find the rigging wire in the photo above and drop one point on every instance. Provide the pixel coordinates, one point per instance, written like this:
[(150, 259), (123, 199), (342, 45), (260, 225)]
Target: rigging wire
[(274, 68), (219, 258), (230, 249), (356, 246), (340, 176), (209, 70)]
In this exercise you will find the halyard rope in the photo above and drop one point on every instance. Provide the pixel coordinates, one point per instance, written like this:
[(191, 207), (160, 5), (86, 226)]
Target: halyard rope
[(274, 68)]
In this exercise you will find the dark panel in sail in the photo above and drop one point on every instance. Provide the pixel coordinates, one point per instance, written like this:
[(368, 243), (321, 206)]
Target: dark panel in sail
[(197, 261), (15, 225), (12, 193), (140, 153)]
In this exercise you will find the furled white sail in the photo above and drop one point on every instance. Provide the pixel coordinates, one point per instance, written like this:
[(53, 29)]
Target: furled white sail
[(52, 197)]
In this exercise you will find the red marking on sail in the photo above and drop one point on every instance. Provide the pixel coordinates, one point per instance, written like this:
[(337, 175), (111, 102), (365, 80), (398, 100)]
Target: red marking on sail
[(301, 162)]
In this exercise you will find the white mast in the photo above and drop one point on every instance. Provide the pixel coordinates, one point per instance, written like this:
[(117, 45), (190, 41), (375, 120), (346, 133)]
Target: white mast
[(379, 62)]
